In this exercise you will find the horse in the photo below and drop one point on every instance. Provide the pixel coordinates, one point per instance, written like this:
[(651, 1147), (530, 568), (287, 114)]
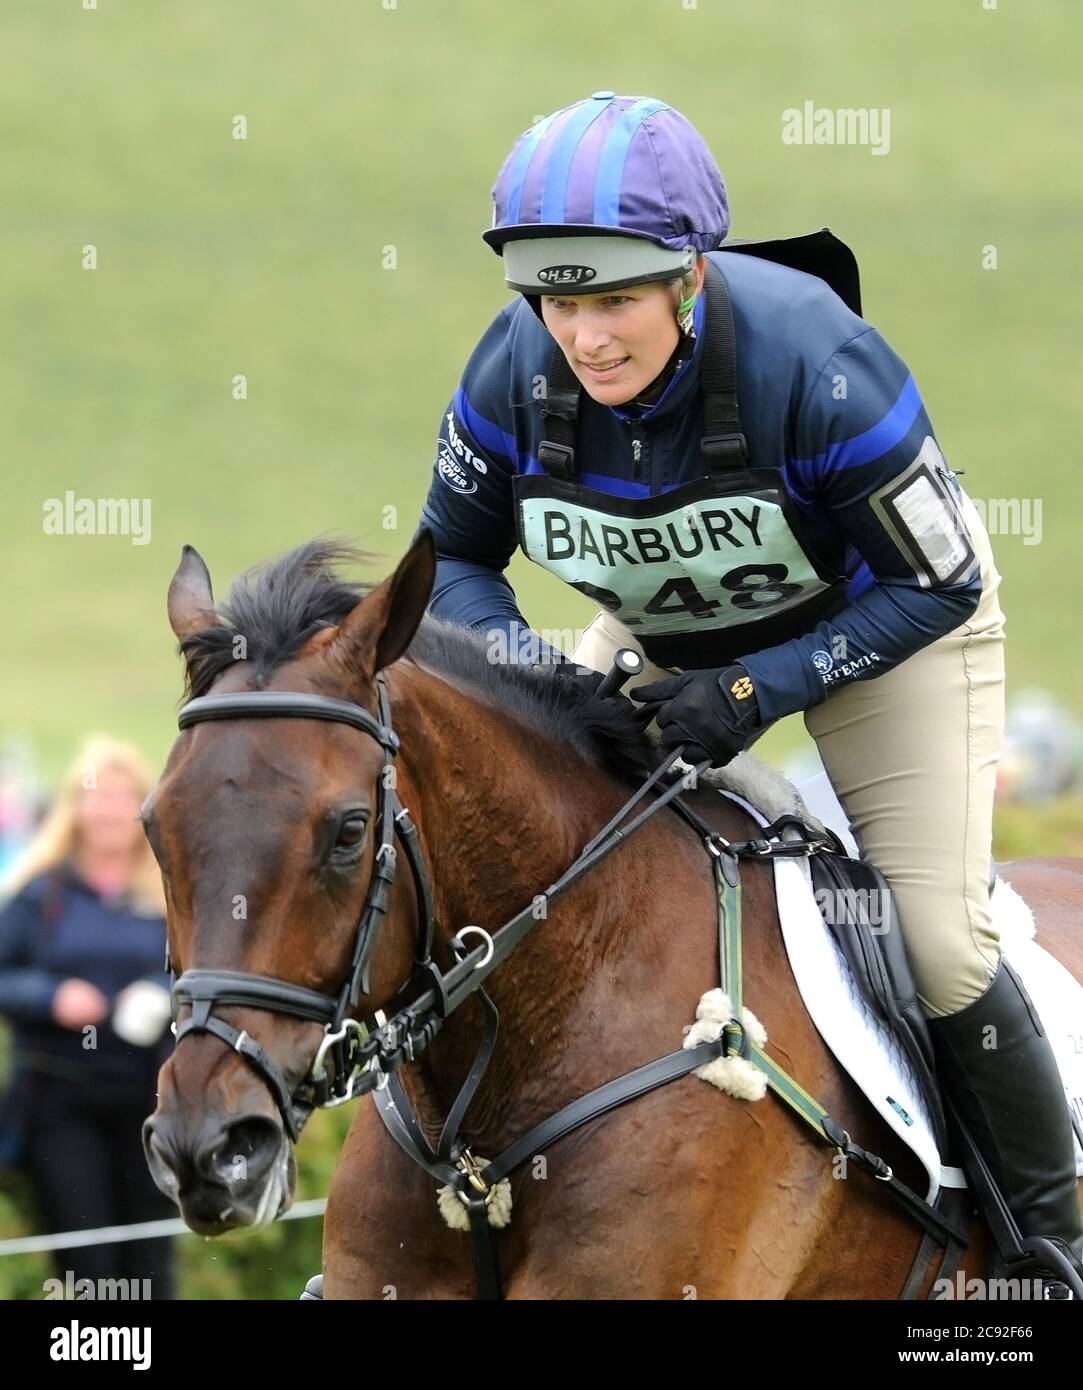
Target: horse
[(264, 832)]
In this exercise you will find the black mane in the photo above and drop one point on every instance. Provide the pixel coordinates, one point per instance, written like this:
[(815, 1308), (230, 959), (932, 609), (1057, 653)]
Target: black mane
[(277, 606)]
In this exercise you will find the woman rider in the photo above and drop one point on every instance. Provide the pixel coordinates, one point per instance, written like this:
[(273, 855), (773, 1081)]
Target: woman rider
[(847, 575)]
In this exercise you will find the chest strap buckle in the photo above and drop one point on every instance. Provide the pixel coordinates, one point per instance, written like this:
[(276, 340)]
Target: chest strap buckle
[(557, 459), (725, 450)]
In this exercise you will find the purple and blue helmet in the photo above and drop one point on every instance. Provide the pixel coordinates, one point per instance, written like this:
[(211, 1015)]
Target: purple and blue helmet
[(608, 192)]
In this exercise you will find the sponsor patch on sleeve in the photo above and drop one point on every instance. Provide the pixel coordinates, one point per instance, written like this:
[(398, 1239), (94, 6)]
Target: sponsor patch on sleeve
[(452, 471)]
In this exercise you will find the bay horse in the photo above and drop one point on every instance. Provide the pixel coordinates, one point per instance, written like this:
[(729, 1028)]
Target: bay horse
[(263, 829)]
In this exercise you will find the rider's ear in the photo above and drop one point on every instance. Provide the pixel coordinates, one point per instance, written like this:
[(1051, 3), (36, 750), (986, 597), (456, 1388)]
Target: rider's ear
[(379, 629), (190, 603)]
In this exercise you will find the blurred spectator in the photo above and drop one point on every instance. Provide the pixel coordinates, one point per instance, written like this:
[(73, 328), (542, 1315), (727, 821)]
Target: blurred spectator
[(17, 804), (1043, 750), (82, 943)]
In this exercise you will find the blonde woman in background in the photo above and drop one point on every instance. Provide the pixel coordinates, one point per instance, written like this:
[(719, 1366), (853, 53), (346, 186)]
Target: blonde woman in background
[(82, 941)]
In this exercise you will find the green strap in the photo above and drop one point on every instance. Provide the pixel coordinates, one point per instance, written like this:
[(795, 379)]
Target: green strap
[(727, 878), (787, 1089)]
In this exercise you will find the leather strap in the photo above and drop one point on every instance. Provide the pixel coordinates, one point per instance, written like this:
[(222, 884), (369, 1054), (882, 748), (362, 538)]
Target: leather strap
[(285, 704)]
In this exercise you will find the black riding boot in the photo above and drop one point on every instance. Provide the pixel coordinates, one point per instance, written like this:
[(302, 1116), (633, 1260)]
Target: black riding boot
[(998, 1068)]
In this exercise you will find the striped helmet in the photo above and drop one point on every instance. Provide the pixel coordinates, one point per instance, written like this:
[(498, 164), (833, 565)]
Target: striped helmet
[(608, 192)]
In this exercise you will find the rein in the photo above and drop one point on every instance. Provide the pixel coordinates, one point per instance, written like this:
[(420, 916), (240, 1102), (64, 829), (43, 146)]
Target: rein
[(354, 1059)]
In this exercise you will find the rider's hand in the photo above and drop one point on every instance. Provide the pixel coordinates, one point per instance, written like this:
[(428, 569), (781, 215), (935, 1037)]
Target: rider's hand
[(714, 713)]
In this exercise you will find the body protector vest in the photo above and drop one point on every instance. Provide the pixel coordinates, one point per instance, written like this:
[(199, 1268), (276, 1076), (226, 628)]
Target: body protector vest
[(690, 596)]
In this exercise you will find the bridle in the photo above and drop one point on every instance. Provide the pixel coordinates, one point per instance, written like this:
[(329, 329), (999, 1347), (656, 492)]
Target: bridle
[(353, 1059), (332, 1079)]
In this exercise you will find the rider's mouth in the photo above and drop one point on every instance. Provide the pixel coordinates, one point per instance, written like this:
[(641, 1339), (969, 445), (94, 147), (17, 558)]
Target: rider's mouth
[(606, 371)]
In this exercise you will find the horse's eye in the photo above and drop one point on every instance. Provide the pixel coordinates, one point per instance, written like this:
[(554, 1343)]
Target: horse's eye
[(351, 833)]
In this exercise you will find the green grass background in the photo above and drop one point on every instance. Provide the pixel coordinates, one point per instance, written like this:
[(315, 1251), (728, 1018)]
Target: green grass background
[(371, 127)]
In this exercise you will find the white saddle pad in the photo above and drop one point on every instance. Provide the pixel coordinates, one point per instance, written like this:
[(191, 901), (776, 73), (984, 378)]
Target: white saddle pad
[(863, 1044)]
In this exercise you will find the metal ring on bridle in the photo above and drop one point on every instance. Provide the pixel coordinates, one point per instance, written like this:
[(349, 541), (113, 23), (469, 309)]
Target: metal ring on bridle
[(715, 843), (457, 940), (317, 1071)]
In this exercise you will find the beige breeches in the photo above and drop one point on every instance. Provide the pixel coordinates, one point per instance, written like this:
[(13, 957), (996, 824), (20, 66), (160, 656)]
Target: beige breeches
[(912, 756)]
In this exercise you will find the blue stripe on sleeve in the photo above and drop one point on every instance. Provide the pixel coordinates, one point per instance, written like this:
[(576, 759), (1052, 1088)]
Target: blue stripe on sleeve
[(874, 443), (491, 437)]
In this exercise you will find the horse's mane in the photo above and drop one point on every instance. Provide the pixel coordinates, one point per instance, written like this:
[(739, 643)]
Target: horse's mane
[(277, 606)]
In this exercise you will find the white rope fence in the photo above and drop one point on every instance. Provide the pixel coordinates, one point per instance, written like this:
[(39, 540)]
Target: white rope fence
[(141, 1230)]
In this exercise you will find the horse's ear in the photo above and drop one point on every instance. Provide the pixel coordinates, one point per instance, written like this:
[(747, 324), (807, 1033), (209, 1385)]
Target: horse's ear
[(379, 629), (190, 602)]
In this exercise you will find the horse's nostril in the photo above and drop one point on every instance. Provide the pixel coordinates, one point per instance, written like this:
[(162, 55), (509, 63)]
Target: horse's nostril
[(160, 1160), (242, 1152)]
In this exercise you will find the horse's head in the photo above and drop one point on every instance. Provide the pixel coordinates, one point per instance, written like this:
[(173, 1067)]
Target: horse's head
[(268, 823)]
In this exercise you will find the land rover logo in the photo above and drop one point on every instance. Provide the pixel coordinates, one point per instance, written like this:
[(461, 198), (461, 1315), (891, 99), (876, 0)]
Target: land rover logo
[(566, 274), (452, 472)]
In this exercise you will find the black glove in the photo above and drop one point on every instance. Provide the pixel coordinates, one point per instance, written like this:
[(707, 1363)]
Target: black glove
[(714, 713)]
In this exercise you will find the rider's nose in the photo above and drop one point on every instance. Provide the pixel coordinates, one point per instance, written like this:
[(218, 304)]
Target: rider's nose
[(591, 339)]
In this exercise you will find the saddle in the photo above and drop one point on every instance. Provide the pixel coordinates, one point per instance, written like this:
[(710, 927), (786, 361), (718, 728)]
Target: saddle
[(857, 906)]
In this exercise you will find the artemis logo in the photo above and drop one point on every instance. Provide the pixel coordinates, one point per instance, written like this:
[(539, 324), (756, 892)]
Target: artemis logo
[(566, 274), (822, 661), (452, 471), (849, 670)]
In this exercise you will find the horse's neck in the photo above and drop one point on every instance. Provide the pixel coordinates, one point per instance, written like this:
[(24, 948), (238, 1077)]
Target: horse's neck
[(502, 814)]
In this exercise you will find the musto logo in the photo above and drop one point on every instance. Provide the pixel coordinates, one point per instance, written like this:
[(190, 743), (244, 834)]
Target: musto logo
[(566, 274), (452, 471)]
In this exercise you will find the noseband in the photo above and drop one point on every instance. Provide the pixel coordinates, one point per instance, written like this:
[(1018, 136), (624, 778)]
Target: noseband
[(339, 1062)]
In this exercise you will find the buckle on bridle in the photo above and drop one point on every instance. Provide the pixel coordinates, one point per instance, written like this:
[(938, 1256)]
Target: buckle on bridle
[(318, 1070), (473, 1173)]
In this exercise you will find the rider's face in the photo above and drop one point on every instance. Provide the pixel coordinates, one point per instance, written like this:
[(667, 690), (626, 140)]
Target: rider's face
[(629, 332)]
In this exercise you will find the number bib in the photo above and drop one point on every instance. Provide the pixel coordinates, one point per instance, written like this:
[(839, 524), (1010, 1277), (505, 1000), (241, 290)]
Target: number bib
[(708, 556)]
